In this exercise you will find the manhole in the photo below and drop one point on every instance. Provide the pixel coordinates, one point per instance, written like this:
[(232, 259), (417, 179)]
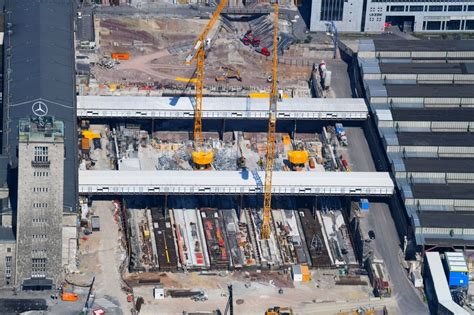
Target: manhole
[(239, 302)]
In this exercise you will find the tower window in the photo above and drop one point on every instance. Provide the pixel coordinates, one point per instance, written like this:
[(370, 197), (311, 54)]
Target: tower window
[(41, 154)]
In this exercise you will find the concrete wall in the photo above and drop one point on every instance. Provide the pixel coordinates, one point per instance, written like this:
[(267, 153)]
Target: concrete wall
[(7, 249), (377, 12), (351, 21), (39, 229), (69, 246)]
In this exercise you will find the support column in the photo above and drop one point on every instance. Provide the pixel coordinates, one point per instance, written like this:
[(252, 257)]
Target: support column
[(294, 129), (222, 129)]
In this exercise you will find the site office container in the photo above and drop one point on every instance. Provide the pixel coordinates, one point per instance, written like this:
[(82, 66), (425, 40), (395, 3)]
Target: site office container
[(95, 223), (121, 56)]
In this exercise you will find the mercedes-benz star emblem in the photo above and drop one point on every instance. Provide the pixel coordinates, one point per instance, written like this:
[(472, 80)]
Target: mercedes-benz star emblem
[(39, 109)]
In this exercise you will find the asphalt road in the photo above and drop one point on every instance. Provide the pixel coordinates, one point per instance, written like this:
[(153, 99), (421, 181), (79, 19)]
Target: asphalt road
[(387, 245), (358, 150)]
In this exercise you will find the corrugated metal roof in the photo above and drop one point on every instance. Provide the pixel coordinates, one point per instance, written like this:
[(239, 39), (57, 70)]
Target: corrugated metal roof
[(449, 139), (442, 165), (6, 234), (384, 115), (376, 89), (430, 90), (424, 45), (433, 114), (442, 191), (456, 261), (42, 69), (427, 68), (455, 254), (366, 45), (447, 219)]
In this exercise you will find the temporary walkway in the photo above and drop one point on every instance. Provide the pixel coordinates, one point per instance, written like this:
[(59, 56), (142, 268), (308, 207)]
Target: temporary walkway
[(234, 182), (219, 108)]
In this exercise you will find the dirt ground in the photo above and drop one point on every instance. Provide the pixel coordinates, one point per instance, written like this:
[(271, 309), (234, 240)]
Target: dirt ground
[(100, 256), (320, 296), (148, 40)]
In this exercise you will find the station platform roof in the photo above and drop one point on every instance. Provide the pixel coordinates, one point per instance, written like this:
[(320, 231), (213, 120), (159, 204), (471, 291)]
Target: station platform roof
[(220, 107), (234, 182)]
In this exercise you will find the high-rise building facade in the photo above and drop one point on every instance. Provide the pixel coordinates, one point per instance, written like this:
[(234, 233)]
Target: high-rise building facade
[(409, 15), (40, 203), (346, 15)]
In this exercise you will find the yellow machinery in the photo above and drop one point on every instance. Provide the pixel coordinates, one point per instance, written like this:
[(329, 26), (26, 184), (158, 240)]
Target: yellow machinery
[(228, 72), (298, 157), (201, 157), (279, 311), (90, 135), (272, 117)]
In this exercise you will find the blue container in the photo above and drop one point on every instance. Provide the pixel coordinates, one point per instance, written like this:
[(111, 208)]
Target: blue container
[(458, 279), (364, 205)]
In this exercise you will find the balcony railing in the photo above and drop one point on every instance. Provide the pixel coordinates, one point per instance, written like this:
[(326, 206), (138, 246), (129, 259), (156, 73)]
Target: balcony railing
[(40, 164)]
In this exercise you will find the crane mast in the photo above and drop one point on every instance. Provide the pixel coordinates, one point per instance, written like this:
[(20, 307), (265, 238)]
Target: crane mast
[(272, 118), (201, 158)]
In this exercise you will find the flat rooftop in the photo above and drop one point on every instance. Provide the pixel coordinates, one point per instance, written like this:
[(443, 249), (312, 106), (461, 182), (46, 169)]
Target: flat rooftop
[(447, 219), (448, 139), (427, 68), (219, 107), (442, 191), (448, 241), (447, 165), (231, 182), (431, 114), (42, 70), (423, 45), (430, 90)]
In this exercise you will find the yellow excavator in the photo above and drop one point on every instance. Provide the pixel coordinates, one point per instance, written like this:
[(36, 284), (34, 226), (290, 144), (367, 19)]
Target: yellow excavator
[(202, 157), (228, 72), (279, 311)]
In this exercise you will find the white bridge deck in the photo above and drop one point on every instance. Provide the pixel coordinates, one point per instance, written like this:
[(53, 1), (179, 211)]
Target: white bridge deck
[(234, 182), (220, 107)]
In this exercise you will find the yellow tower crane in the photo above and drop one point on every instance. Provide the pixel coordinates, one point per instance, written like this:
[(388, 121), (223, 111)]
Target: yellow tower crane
[(272, 118), (201, 157)]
